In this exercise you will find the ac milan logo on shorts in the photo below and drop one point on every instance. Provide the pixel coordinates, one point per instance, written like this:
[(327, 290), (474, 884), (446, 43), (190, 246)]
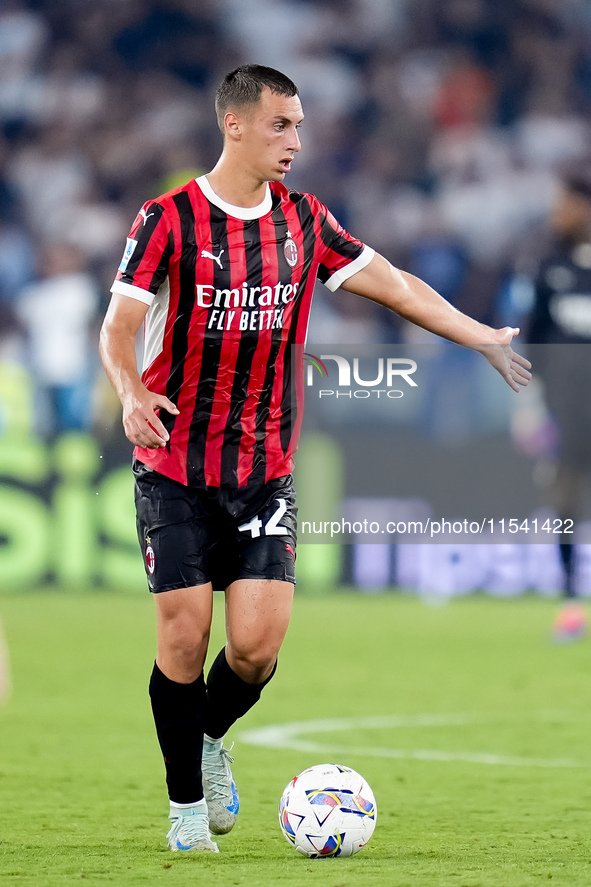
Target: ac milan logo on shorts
[(290, 251), (150, 560)]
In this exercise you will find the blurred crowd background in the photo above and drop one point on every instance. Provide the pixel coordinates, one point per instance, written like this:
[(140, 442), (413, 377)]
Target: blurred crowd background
[(435, 131)]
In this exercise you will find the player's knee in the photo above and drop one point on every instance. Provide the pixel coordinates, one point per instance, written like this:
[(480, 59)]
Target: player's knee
[(253, 665), (183, 639)]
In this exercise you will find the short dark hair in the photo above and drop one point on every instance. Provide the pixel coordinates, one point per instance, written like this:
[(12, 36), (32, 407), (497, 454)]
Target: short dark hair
[(244, 85)]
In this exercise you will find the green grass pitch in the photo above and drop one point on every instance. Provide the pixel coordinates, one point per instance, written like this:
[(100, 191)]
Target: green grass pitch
[(484, 778)]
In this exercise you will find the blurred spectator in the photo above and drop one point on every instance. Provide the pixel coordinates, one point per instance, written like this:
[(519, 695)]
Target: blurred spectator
[(23, 34), (49, 174), (179, 36), (92, 224), (71, 95), (57, 314), (16, 261)]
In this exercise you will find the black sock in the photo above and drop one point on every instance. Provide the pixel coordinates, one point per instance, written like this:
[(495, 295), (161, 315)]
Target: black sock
[(567, 555), (228, 696), (179, 711)]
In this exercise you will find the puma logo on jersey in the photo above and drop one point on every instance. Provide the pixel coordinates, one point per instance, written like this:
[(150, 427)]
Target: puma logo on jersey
[(145, 216), (205, 254)]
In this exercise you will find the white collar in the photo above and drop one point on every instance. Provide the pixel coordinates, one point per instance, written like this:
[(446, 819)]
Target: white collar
[(246, 213)]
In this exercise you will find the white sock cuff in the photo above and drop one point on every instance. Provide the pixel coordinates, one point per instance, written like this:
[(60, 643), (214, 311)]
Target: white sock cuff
[(211, 739), (176, 806)]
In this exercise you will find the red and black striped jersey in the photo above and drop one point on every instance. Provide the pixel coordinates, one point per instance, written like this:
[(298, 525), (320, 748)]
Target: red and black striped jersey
[(230, 290)]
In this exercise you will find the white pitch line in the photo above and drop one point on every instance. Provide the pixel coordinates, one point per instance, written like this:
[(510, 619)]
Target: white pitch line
[(288, 736)]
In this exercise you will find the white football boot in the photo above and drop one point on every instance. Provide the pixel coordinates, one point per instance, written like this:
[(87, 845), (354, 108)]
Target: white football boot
[(219, 787), (190, 828)]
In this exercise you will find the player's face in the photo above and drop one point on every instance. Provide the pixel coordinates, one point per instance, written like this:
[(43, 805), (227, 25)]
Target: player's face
[(269, 135)]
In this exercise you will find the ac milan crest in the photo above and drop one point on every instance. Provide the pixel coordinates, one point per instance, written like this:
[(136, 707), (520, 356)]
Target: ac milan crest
[(290, 251), (150, 560)]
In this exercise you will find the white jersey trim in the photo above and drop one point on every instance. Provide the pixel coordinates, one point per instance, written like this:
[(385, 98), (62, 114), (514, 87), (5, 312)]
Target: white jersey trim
[(246, 213), (343, 274), (134, 292), (155, 325)]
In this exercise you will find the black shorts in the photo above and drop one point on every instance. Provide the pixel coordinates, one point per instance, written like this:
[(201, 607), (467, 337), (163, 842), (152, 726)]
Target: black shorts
[(191, 537)]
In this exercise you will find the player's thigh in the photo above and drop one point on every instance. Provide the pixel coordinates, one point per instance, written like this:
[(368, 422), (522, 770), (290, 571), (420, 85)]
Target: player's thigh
[(183, 622), (257, 617), (186, 610)]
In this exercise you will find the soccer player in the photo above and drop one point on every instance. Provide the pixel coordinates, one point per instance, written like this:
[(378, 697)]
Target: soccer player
[(221, 272), (561, 320)]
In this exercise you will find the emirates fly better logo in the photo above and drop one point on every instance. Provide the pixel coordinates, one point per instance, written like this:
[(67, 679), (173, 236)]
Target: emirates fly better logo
[(385, 374)]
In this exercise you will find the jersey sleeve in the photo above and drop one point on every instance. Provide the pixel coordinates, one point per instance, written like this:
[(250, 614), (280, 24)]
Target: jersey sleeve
[(150, 245), (342, 255)]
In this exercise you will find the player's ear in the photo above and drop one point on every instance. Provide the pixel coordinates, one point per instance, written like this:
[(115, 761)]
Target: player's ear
[(232, 125)]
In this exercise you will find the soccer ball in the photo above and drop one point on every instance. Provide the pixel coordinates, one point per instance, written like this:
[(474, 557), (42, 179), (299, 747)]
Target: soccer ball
[(327, 810)]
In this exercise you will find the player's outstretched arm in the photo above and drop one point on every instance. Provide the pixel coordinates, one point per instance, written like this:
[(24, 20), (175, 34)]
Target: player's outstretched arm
[(414, 300), (117, 349)]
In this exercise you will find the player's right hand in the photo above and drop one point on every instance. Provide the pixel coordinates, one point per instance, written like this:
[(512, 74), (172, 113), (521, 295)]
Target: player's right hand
[(141, 422)]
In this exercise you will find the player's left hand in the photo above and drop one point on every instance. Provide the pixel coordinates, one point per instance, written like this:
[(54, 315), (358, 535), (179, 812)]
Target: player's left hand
[(512, 366)]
